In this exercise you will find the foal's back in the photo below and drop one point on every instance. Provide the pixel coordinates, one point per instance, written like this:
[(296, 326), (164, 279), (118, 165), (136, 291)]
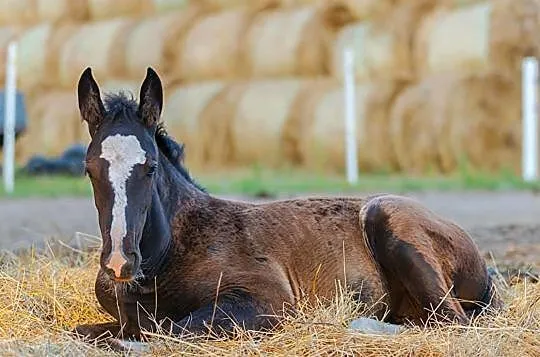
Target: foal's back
[(282, 250)]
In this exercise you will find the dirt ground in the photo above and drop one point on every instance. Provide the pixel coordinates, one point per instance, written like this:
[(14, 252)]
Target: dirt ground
[(505, 225)]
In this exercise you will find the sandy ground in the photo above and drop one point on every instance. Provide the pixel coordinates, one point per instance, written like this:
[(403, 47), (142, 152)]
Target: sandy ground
[(506, 225)]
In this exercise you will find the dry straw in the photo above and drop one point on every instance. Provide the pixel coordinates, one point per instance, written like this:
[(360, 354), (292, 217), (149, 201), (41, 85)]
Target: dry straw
[(43, 296)]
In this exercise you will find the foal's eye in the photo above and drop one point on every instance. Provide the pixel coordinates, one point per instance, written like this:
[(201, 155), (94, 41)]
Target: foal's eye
[(151, 169)]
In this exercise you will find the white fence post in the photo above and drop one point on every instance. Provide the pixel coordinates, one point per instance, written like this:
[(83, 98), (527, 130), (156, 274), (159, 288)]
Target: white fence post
[(350, 116), (530, 119), (9, 118)]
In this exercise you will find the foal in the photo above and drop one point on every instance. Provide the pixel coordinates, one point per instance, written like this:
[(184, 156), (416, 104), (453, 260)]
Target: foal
[(169, 247)]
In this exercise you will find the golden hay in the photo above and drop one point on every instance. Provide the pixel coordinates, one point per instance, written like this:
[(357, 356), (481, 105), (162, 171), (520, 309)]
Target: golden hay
[(43, 298), (257, 126), (384, 45), (18, 12), (324, 142), (303, 51), (56, 11), (153, 41), (99, 45), (182, 115), (212, 47), (458, 116), (107, 9), (37, 59)]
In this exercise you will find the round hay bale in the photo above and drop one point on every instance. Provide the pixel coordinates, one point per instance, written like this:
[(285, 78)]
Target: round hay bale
[(153, 41), (216, 126), (18, 12), (182, 114), (454, 117), (212, 47), (419, 126), (107, 9), (485, 130), (54, 123), (383, 46), (99, 45), (37, 60), (324, 146), (486, 36), (455, 40), (260, 117), (56, 11), (301, 52), (301, 114), (164, 6), (220, 5), (514, 27)]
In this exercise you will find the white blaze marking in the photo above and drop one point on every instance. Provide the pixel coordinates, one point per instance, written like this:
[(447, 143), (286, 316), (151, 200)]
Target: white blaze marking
[(122, 153)]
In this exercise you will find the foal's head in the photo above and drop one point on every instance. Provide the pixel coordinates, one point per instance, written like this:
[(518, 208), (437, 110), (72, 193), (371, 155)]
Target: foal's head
[(121, 162)]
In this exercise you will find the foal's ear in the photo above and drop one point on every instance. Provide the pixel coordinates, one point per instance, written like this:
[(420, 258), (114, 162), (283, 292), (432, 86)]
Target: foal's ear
[(151, 101), (90, 104)]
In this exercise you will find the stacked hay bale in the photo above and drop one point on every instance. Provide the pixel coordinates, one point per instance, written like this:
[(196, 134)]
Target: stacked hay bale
[(466, 106), (261, 82)]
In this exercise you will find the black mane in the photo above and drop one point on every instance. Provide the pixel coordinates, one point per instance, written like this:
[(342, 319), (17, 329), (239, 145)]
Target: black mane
[(120, 104)]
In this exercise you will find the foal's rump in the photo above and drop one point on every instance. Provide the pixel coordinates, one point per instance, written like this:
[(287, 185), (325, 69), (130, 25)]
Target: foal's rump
[(427, 261)]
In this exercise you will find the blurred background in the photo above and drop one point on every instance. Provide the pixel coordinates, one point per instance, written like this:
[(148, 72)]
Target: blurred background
[(255, 89), (261, 81)]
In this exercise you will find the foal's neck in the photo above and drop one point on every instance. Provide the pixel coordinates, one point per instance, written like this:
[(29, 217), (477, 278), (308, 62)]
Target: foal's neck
[(171, 191)]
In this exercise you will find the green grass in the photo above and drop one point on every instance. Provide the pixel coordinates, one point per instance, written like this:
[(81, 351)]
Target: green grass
[(283, 182)]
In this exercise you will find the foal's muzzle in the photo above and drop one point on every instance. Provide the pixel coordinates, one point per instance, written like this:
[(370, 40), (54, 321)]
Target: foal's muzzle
[(122, 267)]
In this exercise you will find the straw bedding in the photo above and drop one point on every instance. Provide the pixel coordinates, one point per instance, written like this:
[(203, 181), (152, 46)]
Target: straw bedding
[(43, 297)]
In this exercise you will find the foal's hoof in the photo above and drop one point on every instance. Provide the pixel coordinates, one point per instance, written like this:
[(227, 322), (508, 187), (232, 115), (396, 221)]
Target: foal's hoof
[(91, 332)]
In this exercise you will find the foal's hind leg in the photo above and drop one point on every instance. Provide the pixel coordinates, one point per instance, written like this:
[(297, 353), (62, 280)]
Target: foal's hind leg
[(404, 253)]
